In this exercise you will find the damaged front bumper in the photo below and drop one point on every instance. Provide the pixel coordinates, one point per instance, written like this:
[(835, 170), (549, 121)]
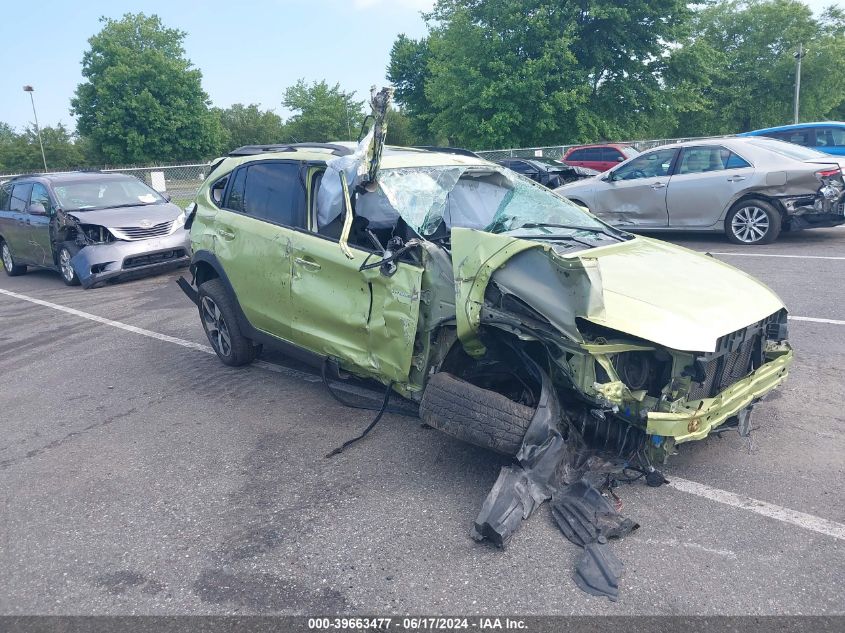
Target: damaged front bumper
[(98, 263), (694, 420)]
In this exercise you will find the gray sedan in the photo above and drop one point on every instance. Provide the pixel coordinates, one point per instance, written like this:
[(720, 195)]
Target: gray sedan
[(750, 188)]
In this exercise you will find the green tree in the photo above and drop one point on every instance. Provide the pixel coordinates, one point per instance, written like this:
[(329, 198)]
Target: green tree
[(738, 61), (321, 113), (408, 71), (142, 101), (247, 125), (22, 152), (529, 72), (400, 130)]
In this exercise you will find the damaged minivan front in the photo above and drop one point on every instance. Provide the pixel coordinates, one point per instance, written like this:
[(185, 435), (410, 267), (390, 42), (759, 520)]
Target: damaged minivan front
[(92, 227)]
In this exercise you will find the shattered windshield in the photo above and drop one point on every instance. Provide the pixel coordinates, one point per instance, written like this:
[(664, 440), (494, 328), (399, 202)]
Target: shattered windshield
[(108, 193), (485, 197)]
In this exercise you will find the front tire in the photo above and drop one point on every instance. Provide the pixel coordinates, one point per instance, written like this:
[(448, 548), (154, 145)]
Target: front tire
[(12, 269), (220, 322), (752, 222), (66, 269)]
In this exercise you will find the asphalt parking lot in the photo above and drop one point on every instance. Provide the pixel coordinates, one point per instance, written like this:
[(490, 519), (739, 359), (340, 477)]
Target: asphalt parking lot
[(140, 475)]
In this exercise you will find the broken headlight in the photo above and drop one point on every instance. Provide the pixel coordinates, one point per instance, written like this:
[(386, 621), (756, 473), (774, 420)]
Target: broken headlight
[(88, 234)]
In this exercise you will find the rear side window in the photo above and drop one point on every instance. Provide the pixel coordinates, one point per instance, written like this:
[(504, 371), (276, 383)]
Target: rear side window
[(592, 153), (4, 197), (269, 191), (20, 198), (578, 154)]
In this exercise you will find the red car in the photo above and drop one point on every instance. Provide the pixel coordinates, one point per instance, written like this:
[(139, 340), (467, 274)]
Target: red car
[(598, 157)]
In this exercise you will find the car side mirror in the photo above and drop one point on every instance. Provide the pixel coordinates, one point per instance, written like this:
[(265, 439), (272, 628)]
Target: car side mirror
[(36, 208), (619, 159), (167, 197), (608, 177)]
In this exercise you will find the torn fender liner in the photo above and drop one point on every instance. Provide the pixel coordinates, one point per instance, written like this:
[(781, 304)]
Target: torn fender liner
[(584, 515), (520, 489), (599, 570)]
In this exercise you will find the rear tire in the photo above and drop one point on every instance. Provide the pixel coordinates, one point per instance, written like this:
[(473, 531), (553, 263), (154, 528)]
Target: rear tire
[(474, 415), (12, 269), (752, 222), (220, 321)]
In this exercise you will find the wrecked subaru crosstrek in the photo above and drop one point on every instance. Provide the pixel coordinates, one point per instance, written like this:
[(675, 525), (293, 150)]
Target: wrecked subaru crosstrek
[(479, 294), (92, 227)]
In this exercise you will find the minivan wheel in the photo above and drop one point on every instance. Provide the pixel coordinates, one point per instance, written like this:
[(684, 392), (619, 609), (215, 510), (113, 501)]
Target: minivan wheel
[(752, 222), (12, 269), (66, 253), (219, 320)]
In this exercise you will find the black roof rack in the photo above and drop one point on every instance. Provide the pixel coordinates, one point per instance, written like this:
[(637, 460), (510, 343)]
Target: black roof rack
[(252, 150), (448, 150)]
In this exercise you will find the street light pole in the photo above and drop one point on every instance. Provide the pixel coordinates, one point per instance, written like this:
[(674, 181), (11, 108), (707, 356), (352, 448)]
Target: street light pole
[(30, 90), (798, 56)]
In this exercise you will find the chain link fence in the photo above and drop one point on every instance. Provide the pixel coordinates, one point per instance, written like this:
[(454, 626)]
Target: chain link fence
[(557, 151)]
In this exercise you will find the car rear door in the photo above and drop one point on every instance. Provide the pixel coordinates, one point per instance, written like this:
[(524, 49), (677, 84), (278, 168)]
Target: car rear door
[(634, 194), (705, 182), (365, 319), (263, 203), (38, 225), (15, 230)]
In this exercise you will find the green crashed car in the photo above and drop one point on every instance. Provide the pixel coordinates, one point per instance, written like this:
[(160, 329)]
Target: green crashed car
[(469, 289)]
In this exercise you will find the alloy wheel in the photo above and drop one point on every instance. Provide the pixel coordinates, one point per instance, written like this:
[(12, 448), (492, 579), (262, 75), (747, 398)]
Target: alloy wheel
[(7, 258), (65, 265), (750, 224), (215, 327)]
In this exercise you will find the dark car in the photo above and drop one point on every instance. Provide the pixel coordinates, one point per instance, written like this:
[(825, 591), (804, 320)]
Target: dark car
[(90, 226), (546, 171)]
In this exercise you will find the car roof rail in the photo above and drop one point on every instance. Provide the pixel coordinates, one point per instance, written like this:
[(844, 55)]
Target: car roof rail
[(253, 150), (460, 151)]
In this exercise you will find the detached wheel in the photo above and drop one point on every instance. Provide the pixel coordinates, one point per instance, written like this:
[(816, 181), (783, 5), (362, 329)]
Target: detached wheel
[(66, 253), (752, 222), (12, 269), (475, 415), (220, 322)]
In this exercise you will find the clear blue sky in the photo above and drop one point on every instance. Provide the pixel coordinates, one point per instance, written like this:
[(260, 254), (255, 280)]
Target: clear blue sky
[(248, 51)]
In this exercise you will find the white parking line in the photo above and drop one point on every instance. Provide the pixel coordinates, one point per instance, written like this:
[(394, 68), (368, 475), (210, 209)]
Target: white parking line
[(776, 255), (156, 335), (800, 519), (815, 320)]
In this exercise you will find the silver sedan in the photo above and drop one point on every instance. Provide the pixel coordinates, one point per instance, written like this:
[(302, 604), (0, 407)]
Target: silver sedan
[(749, 188)]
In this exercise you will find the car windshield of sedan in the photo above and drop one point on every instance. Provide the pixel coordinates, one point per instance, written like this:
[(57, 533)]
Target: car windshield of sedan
[(108, 193), (486, 198)]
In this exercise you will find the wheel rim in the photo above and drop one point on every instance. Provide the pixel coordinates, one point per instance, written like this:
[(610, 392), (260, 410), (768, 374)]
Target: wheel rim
[(7, 258), (64, 263), (215, 327), (750, 224)]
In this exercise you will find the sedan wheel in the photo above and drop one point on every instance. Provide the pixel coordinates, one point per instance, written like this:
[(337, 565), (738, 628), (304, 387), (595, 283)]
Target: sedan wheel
[(753, 222)]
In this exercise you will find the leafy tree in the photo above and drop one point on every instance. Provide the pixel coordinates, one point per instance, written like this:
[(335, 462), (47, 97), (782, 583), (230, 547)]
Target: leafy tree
[(321, 113), (527, 72), (247, 125), (408, 71), (22, 152), (400, 130), (142, 101), (739, 60)]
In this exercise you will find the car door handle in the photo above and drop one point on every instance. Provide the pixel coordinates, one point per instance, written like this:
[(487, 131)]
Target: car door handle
[(736, 178), (226, 234), (658, 185), (307, 263)]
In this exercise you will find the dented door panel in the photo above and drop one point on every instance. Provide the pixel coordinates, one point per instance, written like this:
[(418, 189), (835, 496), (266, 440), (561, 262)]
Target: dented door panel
[(256, 257), (362, 318)]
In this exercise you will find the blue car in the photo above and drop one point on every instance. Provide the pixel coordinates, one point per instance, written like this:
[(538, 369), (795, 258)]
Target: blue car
[(827, 136)]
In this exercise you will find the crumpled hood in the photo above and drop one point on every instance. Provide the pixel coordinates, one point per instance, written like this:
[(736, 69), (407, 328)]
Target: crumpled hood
[(646, 288), (129, 216), (674, 296)]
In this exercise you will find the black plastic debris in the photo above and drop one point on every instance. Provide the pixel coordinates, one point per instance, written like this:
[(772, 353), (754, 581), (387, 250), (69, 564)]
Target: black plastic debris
[(599, 570), (523, 487), (584, 515)]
